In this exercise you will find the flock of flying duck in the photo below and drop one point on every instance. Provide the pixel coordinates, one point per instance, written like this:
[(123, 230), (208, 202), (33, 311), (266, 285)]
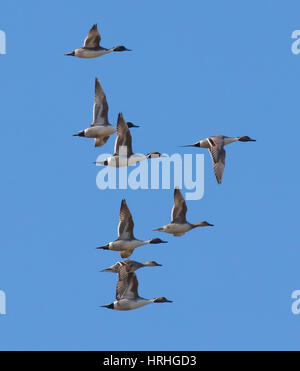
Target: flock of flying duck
[(100, 130)]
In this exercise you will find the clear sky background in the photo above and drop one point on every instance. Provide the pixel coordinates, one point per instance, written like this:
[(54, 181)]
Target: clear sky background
[(197, 68)]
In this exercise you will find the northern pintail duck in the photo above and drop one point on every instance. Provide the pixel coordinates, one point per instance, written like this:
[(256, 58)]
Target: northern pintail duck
[(100, 129), (131, 266), (91, 47), (123, 154), (179, 225), (126, 242), (215, 146), (127, 293)]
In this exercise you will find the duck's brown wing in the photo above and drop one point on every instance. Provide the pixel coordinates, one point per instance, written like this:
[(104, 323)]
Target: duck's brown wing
[(100, 111), (126, 253), (218, 154), (123, 137), (126, 224), (99, 142), (179, 209), (127, 285), (93, 38)]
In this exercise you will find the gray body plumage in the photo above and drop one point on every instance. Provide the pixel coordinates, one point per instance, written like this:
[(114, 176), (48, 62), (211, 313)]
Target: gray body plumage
[(126, 242), (91, 47), (131, 266), (123, 153), (127, 292), (179, 225)]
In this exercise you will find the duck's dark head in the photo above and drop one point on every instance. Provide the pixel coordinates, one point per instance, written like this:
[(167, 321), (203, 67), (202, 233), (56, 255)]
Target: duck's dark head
[(246, 139), (131, 125), (152, 264), (157, 240), (205, 224), (121, 48), (161, 299)]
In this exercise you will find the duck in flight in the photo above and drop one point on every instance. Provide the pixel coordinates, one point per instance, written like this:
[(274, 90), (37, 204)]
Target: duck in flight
[(215, 146), (100, 129), (127, 292), (126, 242), (131, 266), (123, 154), (179, 225), (91, 47)]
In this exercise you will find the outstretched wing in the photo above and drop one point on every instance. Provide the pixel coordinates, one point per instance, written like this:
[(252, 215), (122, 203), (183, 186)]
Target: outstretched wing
[(127, 286), (126, 223), (179, 209), (123, 137), (93, 38), (100, 111), (218, 154), (126, 253), (100, 141)]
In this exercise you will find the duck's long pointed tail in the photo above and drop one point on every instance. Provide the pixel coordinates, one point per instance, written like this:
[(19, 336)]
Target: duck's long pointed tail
[(71, 53), (105, 247)]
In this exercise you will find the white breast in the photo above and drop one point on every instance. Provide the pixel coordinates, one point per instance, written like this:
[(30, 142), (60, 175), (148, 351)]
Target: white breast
[(121, 161), (117, 161), (178, 228), (229, 140), (88, 53), (127, 304), (99, 131), (134, 159), (120, 245), (204, 143)]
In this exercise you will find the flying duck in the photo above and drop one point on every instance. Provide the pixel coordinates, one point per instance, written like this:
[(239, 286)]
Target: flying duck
[(131, 266), (127, 293), (179, 225), (91, 47), (126, 242), (123, 154), (215, 146), (100, 129)]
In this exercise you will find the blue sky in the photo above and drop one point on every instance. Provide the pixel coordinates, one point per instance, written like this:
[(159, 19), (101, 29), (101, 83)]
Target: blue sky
[(197, 68)]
